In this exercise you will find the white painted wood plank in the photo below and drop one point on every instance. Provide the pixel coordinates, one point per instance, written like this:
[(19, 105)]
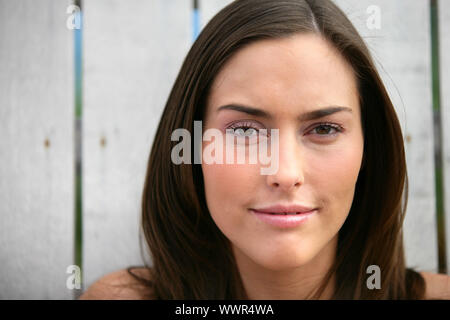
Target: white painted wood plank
[(444, 42), (401, 48), (133, 51), (36, 185)]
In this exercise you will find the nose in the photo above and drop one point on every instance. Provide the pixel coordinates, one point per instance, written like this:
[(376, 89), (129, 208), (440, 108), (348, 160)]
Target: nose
[(290, 173)]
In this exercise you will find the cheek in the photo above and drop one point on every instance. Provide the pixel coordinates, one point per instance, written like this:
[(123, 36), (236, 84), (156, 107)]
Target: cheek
[(227, 190), (228, 186), (335, 178)]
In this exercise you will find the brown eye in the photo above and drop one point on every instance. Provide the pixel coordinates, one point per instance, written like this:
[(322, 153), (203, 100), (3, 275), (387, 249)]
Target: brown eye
[(248, 132), (327, 129), (245, 129)]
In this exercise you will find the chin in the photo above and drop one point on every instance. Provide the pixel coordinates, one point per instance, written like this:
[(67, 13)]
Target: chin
[(283, 260), (284, 265)]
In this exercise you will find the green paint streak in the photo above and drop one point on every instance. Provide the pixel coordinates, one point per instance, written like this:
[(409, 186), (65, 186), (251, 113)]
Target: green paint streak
[(439, 181), (78, 210)]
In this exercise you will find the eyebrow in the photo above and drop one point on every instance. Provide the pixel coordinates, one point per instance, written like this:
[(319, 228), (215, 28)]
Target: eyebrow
[(310, 115)]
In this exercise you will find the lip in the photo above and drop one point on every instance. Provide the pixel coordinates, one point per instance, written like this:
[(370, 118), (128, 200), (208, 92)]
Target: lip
[(278, 208), (284, 221)]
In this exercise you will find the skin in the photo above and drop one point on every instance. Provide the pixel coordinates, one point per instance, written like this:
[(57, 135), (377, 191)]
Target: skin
[(317, 166)]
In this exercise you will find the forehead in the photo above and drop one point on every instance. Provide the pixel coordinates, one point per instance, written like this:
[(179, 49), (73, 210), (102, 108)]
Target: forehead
[(303, 68)]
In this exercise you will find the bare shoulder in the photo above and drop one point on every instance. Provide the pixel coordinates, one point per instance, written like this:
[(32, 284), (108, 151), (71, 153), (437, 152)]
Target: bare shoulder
[(120, 285), (437, 285)]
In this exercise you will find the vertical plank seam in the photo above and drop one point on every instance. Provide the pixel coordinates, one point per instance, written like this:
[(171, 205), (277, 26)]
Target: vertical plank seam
[(78, 206), (195, 19), (438, 139)]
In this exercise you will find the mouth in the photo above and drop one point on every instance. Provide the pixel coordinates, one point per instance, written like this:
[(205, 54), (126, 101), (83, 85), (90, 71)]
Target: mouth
[(280, 213), (285, 209), (283, 219)]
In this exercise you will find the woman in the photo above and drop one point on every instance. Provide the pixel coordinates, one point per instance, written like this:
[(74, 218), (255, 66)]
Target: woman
[(296, 70)]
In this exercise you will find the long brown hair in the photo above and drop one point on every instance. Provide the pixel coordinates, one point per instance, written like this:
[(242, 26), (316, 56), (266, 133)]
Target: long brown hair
[(191, 258)]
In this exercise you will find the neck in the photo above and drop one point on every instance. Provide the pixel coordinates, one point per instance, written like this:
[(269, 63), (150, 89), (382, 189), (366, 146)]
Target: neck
[(295, 283)]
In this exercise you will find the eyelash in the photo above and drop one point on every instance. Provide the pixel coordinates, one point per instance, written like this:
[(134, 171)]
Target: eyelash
[(249, 125)]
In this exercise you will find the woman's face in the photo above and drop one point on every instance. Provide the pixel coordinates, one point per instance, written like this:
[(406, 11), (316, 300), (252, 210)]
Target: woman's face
[(318, 159)]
